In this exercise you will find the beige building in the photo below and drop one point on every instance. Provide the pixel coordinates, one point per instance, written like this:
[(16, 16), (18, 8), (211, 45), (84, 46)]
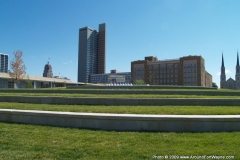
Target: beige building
[(37, 82), (186, 71)]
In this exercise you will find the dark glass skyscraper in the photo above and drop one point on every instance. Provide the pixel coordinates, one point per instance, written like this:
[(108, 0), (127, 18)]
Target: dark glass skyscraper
[(91, 52), (3, 62)]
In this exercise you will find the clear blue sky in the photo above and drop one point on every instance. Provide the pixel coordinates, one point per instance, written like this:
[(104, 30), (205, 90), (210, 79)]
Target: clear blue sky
[(167, 29)]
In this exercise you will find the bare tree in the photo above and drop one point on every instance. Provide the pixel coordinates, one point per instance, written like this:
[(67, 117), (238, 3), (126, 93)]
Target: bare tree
[(17, 66)]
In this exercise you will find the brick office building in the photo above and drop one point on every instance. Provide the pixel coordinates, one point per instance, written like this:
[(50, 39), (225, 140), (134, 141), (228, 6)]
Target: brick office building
[(184, 71)]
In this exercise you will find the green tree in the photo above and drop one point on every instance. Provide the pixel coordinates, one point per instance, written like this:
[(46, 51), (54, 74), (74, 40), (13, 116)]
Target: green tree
[(28, 84), (214, 85), (140, 81)]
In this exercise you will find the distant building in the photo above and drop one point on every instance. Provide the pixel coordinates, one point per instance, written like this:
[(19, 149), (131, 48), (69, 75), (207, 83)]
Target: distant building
[(47, 71), (186, 71), (113, 77), (60, 77), (91, 52), (38, 82), (3, 63), (230, 83)]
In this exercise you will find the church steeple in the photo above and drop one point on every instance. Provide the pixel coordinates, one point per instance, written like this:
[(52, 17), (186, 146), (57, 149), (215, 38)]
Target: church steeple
[(237, 60), (223, 75), (237, 76), (222, 61)]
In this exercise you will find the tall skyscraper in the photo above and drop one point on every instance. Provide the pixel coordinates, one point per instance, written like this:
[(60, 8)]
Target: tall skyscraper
[(91, 52), (3, 62)]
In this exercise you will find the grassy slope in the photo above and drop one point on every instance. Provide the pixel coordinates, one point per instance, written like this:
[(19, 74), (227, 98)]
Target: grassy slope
[(173, 110), (43, 142), (19, 141)]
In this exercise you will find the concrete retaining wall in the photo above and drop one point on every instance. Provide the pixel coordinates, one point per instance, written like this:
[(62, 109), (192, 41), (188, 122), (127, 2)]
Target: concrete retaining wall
[(143, 87), (126, 91), (122, 101), (124, 122)]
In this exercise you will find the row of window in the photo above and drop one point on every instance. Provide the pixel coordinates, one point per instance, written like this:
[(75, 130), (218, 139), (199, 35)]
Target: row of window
[(190, 65), (139, 77), (165, 81), (190, 70), (167, 76), (163, 66), (165, 71), (138, 68), (157, 76), (189, 80), (139, 72), (190, 75)]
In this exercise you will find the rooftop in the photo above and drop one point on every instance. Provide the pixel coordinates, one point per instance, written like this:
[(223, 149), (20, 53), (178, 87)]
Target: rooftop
[(37, 78)]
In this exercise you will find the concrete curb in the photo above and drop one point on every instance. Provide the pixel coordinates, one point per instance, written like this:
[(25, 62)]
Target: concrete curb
[(126, 91), (122, 101), (125, 122)]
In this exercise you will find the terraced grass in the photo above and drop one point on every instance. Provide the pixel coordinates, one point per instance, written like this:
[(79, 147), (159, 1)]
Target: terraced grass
[(116, 95), (18, 141), (161, 110)]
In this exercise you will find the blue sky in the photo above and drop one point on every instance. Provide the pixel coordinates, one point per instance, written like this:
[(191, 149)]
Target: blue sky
[(167, 29)]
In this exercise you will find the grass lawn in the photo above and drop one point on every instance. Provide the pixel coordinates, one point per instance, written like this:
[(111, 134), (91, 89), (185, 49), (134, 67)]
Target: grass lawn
[(19, 141), (116, 95), (171, 110)]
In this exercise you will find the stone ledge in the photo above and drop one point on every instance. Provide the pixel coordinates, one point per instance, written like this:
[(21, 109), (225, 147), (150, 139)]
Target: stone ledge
[(125, 122)]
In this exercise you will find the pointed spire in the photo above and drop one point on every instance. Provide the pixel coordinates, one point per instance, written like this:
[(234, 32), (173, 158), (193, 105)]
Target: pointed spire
[(237, 60), (222, 61)]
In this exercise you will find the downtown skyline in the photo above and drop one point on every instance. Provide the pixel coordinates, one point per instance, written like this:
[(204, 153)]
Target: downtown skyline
[(166, 29)]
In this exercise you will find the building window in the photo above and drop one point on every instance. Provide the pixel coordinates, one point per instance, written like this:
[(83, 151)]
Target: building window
[(170, 66), (155, 67), (162, 66)]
